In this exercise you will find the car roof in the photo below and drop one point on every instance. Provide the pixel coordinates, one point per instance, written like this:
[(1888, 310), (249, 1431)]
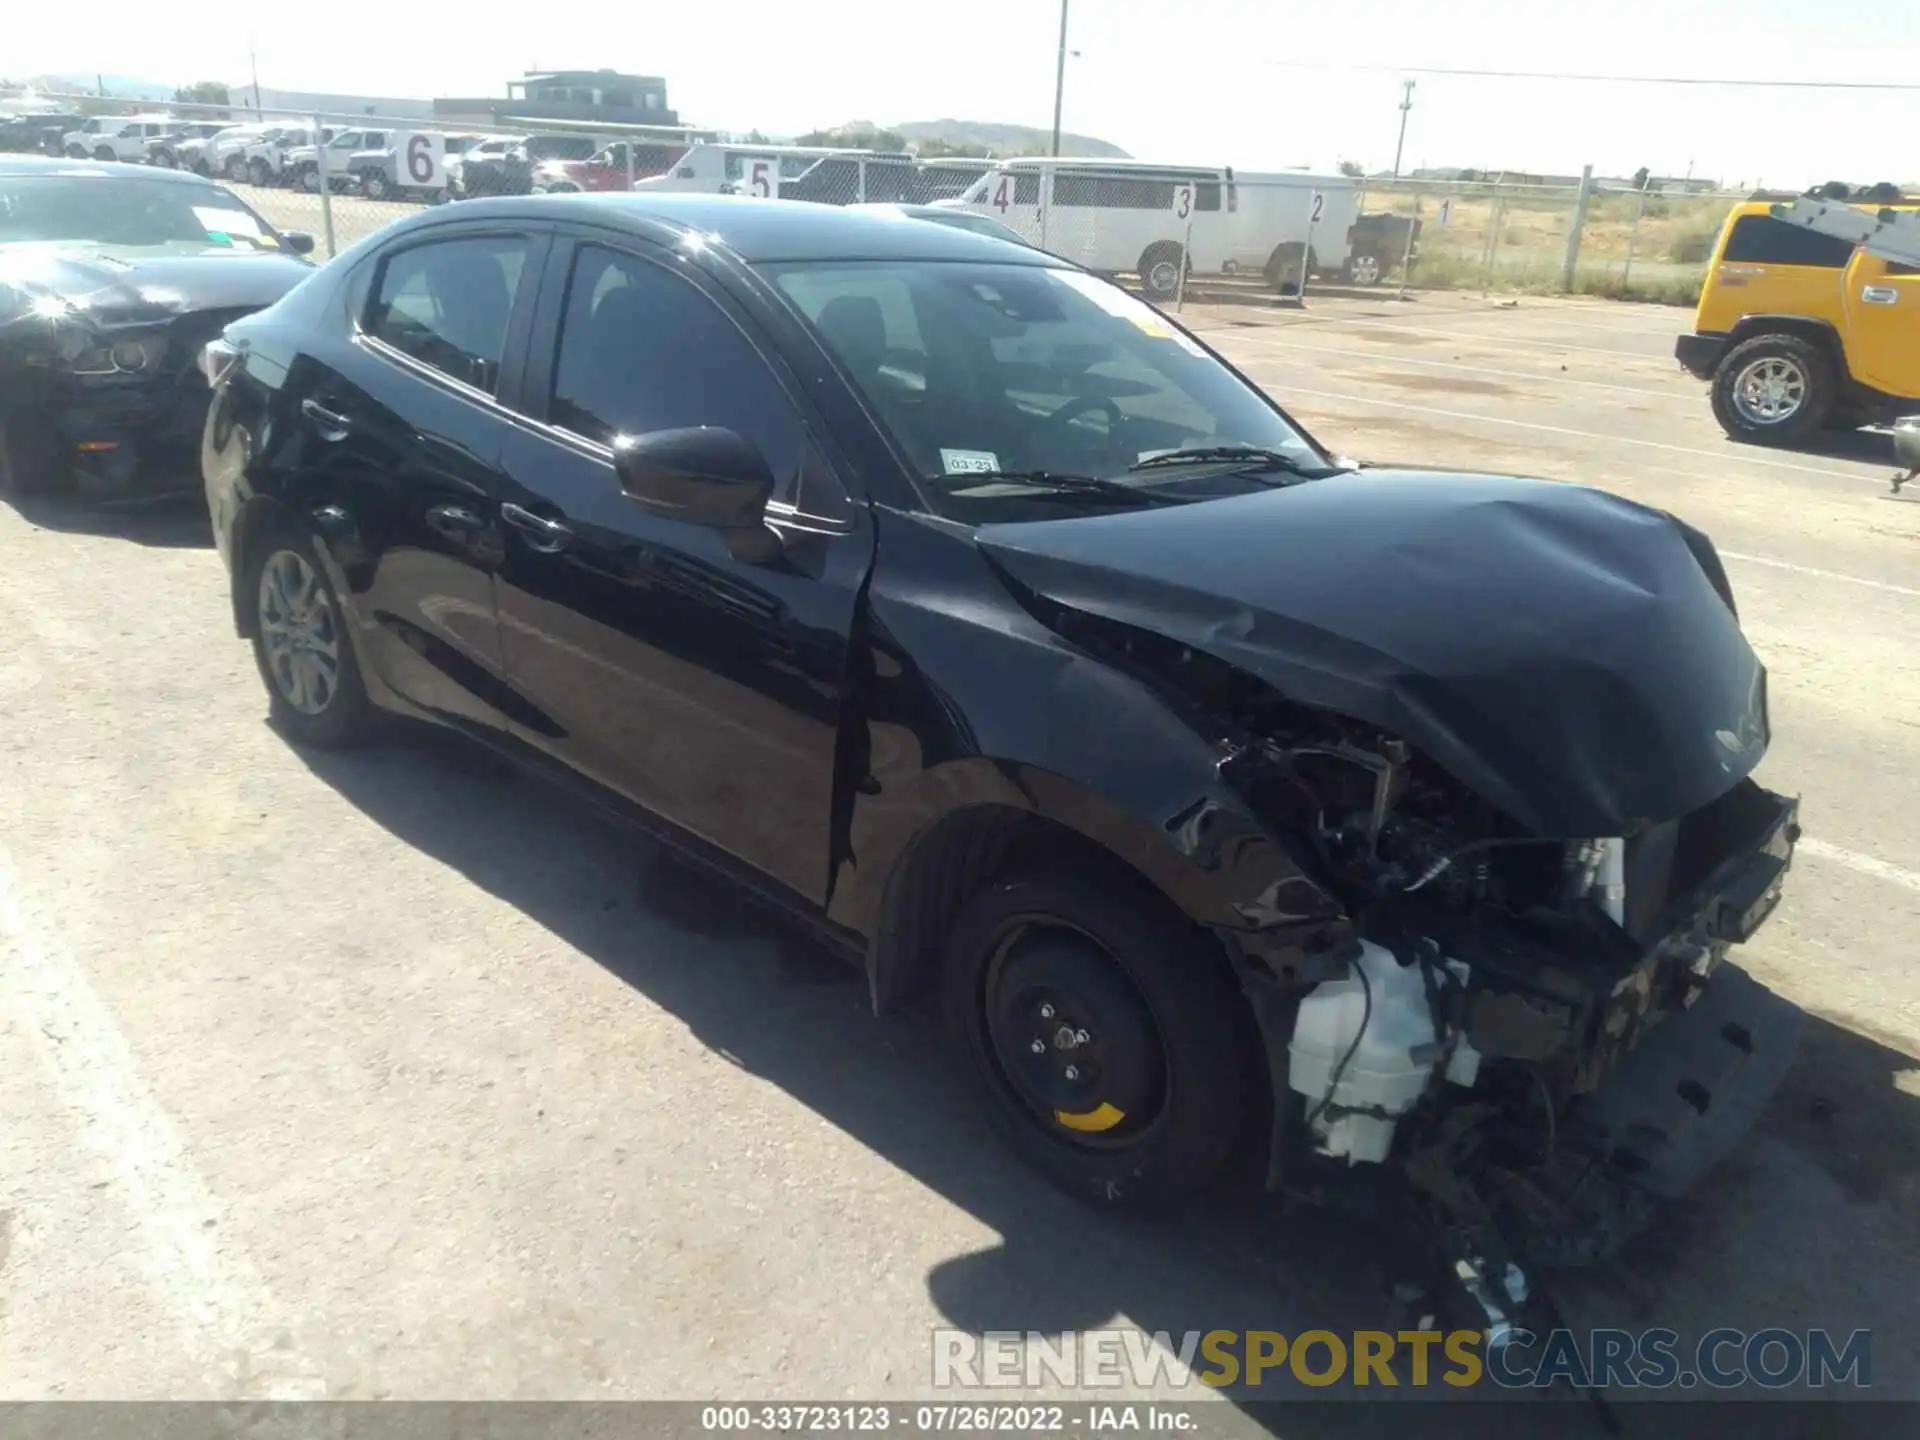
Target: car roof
[(97, 170), (759, 231)]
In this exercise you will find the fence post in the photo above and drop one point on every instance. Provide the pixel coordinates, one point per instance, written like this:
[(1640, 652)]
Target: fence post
[(326, 185), (1306, 250), (1575, 229), (1626, 271), (1186, 261), (860, 182), (628, 147), (1406, 260), (1493, 240)]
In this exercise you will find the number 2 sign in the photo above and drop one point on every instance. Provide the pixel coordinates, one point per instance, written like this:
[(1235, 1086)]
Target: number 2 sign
[(1319, 204)]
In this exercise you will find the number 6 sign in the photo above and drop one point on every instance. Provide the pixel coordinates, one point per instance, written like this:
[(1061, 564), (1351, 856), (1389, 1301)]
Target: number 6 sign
[(421, 158), (761, 177)]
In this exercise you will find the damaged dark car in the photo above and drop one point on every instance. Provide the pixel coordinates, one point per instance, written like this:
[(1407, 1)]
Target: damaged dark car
[(1391, 828), (112, 280)]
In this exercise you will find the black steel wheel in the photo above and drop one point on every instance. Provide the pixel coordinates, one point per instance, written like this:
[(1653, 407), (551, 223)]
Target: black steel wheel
[(1115, 1053)]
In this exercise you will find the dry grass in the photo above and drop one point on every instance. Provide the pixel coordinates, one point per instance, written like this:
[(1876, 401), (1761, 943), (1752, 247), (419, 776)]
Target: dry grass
[(1669, 245)]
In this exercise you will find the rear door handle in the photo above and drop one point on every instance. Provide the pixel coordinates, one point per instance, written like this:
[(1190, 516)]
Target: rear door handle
[(456, 522), (543, 534), (328, 425)]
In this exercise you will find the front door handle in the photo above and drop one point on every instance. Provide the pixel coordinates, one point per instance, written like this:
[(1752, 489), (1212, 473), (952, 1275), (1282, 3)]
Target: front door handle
[(543, 534), (326, 423), (1880, 295)]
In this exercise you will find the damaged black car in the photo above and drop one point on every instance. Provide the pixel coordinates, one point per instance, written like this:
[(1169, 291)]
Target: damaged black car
[(1392, 828), (112, 280)]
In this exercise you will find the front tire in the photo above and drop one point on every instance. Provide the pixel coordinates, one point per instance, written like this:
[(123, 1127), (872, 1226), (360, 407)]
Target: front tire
[(374, 185), (1774, 389), (1365, 269), (301, 644), (104, 154), (1115, 1054), (259, 172)]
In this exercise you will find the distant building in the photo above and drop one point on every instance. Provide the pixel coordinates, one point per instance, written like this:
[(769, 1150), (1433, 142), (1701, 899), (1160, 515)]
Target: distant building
[(310, 102), (598, 97)]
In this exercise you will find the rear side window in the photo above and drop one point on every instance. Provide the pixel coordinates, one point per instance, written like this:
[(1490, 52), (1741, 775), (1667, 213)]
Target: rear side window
[(447, 304), (1763, 240)]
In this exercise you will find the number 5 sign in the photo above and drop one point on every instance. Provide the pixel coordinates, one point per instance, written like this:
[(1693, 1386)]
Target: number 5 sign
[(761, 177), (421, 158)]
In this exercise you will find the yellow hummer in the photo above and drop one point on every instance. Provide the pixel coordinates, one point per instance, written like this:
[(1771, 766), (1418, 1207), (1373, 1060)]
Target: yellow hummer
[(1810, 317)]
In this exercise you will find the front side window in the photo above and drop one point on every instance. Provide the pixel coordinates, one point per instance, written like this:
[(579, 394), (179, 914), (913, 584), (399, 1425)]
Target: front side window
[(643, 350), (991, 378), (447, 304)]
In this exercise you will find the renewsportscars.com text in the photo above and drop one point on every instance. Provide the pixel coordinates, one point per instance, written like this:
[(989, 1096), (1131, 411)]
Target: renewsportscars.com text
[(1653, 1359)]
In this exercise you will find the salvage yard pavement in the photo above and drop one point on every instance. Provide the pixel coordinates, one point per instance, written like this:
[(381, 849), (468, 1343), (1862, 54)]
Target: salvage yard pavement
[(392, 1075)]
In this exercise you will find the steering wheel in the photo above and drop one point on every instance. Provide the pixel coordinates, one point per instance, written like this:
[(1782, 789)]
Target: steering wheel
[(1079, 405)]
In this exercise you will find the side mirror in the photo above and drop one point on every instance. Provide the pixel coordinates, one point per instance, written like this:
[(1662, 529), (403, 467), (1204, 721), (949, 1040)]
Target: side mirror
[(298, 241), (704, 475)]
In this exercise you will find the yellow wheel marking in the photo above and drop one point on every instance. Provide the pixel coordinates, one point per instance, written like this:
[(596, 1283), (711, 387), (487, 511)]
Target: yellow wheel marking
[(1091, 1121)]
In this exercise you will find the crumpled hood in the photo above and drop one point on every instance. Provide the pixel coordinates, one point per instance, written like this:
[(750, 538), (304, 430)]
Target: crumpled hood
[(112, 287), (1557, 649)]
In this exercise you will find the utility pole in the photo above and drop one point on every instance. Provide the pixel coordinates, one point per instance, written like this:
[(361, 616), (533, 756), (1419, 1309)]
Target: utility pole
[(253, 65), (1406, 104), (1059, 80)]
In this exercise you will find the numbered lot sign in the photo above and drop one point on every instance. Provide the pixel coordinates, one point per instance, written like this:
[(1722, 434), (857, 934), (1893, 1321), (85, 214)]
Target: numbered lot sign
[(1182, 202), (760, 177), (420, 156)]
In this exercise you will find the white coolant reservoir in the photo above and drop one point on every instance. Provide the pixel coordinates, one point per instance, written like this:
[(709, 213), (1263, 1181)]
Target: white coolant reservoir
[(1390, 1066)]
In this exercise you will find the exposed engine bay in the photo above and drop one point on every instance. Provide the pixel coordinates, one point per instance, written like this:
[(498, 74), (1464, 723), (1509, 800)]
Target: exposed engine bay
[(1483, 1036), (1531, 1039)]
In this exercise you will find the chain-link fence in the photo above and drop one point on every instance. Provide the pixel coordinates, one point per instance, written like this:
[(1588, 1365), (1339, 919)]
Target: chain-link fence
[(1174, 231)]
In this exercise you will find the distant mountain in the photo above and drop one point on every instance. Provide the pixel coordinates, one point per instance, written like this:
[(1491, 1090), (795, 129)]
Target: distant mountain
[(118, 87), (1005, 139)]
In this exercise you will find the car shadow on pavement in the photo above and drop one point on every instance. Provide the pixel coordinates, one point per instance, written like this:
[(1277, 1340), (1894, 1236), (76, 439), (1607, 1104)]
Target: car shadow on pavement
[(1839, 1135), (171, 522)]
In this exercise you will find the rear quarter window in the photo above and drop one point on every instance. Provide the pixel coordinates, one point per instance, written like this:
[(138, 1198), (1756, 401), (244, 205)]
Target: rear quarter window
[(1763, 240)]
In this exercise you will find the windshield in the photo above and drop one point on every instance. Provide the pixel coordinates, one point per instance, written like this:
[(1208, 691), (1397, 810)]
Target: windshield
[(1028, 374), (130, 214)]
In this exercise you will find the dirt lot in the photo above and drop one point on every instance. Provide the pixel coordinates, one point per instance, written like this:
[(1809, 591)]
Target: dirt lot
[(393, 1075)]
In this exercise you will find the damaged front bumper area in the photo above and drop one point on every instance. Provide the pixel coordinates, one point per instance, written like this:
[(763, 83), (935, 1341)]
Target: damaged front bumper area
[(112, 413), (1535, 1080)]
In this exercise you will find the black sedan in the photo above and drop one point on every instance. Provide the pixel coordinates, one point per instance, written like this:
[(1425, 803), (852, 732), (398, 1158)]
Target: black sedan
[(1395, 824), (112, 280)]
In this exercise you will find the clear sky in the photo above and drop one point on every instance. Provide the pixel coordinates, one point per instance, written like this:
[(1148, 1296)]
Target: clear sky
[(1249, 83)]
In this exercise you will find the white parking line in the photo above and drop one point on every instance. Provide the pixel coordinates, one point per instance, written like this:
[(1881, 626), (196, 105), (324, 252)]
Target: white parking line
[(1854, 860), (1395, 325), (1743, 457), (1817, 574), (1692, 402), (224, 1309)]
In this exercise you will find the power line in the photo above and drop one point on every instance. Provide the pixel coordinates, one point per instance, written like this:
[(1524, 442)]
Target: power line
[(1697, 80)]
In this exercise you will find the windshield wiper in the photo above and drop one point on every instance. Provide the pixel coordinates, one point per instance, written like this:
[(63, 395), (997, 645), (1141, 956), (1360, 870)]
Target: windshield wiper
[(1072, 484), (1255, 456)]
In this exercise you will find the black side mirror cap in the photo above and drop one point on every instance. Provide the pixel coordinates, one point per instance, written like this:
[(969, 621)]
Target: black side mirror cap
[(705, 475), (298, 241)]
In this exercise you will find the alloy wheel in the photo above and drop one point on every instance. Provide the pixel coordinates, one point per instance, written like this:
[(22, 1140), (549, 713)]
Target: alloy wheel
[(1770, 390), (299, 632)]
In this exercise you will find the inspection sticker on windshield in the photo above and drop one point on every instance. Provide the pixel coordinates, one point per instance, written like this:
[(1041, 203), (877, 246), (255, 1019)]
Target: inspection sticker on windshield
[(227, 226), (969, 462), (1143, 317)]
